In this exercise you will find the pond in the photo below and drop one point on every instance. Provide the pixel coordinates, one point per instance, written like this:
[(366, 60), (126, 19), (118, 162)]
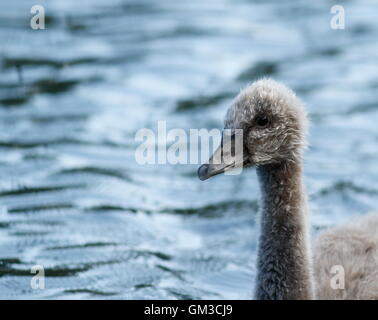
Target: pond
[(72, 97)]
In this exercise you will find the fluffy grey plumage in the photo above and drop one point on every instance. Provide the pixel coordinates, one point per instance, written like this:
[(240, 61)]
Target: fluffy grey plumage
[(354, 246), (274, 124)]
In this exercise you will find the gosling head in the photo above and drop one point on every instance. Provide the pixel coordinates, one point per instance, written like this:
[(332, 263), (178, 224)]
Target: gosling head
[(273, 125)]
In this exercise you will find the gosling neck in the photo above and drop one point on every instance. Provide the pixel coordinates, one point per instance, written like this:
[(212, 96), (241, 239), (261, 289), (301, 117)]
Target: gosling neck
[(283, 267)]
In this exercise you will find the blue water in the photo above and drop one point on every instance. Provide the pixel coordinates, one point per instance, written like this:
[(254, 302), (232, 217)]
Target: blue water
[(72, 96)]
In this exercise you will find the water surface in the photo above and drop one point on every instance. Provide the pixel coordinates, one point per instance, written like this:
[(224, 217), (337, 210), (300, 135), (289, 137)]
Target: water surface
[(72, 97)]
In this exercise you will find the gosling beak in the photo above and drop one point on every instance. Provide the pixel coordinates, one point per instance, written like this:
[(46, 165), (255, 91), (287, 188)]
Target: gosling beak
[(229, 155), (207, 171)]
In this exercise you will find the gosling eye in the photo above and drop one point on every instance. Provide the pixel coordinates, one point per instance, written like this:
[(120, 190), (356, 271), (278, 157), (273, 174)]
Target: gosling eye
[(262, 121)]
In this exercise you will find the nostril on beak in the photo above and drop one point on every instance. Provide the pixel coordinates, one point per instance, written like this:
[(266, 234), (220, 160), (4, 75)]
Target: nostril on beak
[(202, 172)]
